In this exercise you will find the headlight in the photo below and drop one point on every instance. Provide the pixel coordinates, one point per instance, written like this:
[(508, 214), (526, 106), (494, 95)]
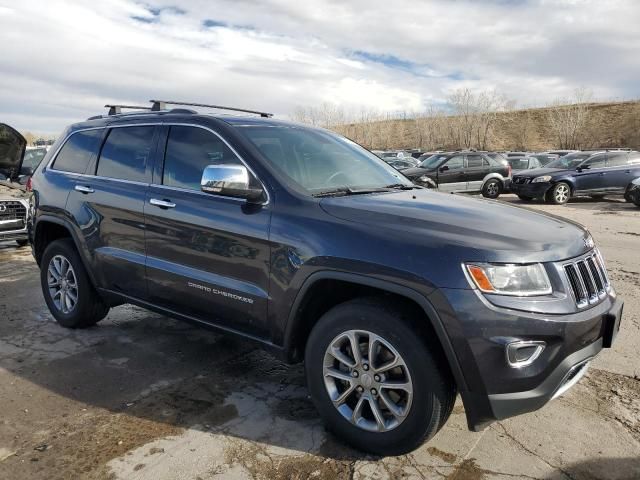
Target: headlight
[(543, 178), (509, 279)]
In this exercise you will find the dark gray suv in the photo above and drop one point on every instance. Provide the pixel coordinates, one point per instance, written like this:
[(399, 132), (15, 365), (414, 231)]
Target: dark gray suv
[(395, 296)]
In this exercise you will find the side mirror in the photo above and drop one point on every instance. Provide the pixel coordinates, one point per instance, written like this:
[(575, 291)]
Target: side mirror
[(444, 168), (230, 181), (583, 167)]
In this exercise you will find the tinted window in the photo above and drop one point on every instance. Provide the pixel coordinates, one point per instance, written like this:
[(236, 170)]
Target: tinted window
[(77, 152), (617, 159), (596, 161), (474, 161), (125, 153), (456, 162), (189, 151), (519, 163)]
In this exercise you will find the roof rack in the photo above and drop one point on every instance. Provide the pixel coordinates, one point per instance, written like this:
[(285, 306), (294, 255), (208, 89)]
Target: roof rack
[(117, 109), (159, 105)]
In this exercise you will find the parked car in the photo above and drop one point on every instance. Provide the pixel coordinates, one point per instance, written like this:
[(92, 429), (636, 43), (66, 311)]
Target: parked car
[(461, 172), (560, 153), (523, 163), (632, 192), (597, 175), (396, 297), (13, 201), (545, 158), (403, 163), (517, 154), (32, 158), (395, 155)]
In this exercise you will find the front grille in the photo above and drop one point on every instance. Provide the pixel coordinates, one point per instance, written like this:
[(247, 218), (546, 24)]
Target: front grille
[(587, 278), (521, 180), (12, 210)]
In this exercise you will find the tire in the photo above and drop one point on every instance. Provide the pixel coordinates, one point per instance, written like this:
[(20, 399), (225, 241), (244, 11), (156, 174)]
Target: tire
[(492, 188), (559, 194), (524, 198), (425, 409), (22, 243), (88, 309)]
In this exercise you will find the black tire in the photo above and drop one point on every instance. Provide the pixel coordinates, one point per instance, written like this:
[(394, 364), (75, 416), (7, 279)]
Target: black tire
[(524, 198), (22, 243), (492, 188), (434, 390), (89, 308), (559, 194)]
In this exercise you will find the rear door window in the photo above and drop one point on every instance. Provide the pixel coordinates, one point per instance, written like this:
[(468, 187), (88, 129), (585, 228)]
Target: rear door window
[(78, 150), (126, 153), (474, 161)]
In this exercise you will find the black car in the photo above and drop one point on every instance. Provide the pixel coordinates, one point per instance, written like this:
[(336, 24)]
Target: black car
[(579, 174), (462, 172), (395, 296), (632, 192)]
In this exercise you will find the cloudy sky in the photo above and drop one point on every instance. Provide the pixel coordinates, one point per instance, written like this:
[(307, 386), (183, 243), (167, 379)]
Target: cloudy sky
[(62, 60)]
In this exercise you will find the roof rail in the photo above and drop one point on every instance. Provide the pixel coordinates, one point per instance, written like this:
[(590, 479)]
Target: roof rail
[(159, 105), (117, 109)]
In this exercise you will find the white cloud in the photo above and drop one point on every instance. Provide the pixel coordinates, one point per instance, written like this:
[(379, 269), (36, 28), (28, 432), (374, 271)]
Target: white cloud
[(62, 60)]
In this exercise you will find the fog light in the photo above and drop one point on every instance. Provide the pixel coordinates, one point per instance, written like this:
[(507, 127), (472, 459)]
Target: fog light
[(523, 353)]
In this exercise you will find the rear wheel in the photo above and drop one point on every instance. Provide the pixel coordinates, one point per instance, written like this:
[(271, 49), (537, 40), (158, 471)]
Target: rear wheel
[(66, 287), (525, 198), (492, 188), (377, 384), (559, 194)]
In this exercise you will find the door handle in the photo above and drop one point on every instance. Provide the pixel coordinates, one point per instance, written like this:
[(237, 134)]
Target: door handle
[(83, 189), (162, 203)]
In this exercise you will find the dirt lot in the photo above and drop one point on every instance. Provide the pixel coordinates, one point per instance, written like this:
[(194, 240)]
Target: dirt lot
[(142, 396)]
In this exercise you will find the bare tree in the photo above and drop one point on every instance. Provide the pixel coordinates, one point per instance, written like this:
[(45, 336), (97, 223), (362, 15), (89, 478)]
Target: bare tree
[(568, 117)]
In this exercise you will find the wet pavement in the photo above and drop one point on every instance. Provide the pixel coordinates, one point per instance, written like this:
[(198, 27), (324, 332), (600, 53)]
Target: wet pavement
[(142, 396)]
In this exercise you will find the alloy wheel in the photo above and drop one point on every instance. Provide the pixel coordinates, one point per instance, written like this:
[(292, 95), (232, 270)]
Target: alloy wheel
[(367, 380), (62, 283), (492, 188), (561, 193)]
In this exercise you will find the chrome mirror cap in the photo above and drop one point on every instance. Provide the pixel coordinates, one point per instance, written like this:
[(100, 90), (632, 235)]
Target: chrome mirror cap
[(230, 181)]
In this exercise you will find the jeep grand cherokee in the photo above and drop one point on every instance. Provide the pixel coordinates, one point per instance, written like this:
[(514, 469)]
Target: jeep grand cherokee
[(396, 297)]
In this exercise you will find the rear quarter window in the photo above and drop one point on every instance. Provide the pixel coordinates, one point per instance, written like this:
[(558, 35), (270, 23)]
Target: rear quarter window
[(77, 151)]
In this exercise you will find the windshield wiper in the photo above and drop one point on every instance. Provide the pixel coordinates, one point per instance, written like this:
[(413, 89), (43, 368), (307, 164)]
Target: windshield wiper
[(350, 191), (402, 186)]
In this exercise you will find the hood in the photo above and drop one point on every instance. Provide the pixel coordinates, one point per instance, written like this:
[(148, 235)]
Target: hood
[(417, 171), (12, 148), (486, 230), (537, 172)]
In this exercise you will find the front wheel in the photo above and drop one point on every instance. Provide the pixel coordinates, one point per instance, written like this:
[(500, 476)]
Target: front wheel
[(559, 194), (66, 287), (492, 188), (377, 384)]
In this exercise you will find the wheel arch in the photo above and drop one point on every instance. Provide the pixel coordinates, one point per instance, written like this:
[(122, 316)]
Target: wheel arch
[(49, 228), (491, 176), (298, 327)]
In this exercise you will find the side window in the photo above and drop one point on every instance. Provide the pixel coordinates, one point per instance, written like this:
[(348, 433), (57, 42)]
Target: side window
[(474, 161), (76, 153), (634, 158), (455, 163), (125, 153), (189, 151), (617, 159), (596, 162)]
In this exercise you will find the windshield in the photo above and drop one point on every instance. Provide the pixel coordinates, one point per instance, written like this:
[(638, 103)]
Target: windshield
[(568, 161), (321, 161), (32, 158), (433, 161)]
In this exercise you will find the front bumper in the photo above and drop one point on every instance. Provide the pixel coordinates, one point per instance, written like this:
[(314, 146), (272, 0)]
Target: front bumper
[(19, 234), (533, 190), (480, 332)]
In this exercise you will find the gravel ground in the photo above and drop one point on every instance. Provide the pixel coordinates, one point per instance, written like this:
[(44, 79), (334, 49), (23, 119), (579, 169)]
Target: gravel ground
[(142, 396)]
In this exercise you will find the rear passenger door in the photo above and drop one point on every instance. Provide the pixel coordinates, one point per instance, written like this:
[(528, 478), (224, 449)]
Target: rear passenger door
[(208, 255), (476, 169), (108, 203), (621, 167)]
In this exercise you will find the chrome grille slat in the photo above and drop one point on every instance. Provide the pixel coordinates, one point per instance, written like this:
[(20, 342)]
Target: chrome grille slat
[(587, 279), (12, 210)]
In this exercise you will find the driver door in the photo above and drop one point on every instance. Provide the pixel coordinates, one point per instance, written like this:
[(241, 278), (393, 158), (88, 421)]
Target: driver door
[(451, 175), (208, 255), (593, 178)]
